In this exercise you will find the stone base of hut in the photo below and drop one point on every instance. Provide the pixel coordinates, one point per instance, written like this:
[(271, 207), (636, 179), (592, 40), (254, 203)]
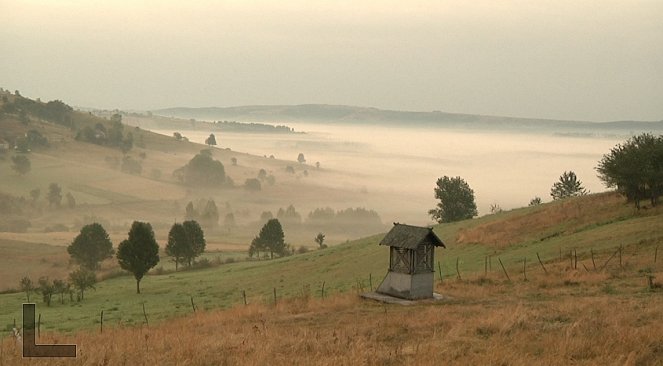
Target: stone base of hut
[(408, 286), (388, 299)]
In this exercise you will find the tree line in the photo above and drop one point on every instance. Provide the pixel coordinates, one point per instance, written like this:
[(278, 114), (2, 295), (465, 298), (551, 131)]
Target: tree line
[(634, 168)]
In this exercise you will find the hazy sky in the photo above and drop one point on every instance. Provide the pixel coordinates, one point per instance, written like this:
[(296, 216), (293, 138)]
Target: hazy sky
[(596, 60)]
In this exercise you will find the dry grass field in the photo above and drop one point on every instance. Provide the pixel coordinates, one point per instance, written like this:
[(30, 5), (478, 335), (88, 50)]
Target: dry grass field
[(568, 316)]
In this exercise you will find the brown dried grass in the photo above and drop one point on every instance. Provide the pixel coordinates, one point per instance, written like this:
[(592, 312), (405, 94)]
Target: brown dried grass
[(566, 317)]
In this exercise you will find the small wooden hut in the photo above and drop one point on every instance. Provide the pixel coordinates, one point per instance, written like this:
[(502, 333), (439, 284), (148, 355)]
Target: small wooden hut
[(411, 262)]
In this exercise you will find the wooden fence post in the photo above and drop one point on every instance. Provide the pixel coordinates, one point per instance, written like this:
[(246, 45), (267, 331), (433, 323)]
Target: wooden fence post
[(620, 255), (322, 292), (439, 271), (244, 296), (145, 314), (275, 296), (193, 306), (485, 266), (101, 323), (594, 263), (457, 270), (575, 256), (541, 263), (504, 269), (525, 268), (655, 253)]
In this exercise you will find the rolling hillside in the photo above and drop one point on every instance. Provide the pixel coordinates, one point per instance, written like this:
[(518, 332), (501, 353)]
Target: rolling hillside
[(598, 223), (352, 114)]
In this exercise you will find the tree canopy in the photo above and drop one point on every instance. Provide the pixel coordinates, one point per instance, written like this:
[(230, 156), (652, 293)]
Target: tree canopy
[(82, 279), (54, 195), (635, 168), (140, 252), (270, 239), (211, 140), (178, 245), (202, 170), (91, 246), (456, 200), (567, 186), (21, 164)]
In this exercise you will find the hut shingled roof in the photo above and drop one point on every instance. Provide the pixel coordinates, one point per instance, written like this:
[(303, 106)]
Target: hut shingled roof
[(410, 237)]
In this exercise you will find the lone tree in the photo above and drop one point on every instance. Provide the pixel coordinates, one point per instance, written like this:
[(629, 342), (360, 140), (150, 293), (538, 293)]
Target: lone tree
[(46, 289), (91, 246), (301, 159), (21, 164), (635, 168), (568, 186), (270, 239), (535, 201), (456, 200), (202, 170), (140, 252), (195, 238), (211, 140), (82, 279), (54, 195), (178, 245), (27, 286), (320, 239)]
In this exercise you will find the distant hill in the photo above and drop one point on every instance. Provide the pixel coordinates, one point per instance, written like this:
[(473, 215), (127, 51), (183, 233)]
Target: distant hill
[(323, 113)]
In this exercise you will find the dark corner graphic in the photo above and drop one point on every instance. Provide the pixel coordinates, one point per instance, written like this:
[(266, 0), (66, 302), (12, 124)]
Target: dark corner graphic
[(30, 346)]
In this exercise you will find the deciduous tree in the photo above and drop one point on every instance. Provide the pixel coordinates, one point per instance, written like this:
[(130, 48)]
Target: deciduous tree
[(91, 246), (456, 200), (567, 186), (140, 252)]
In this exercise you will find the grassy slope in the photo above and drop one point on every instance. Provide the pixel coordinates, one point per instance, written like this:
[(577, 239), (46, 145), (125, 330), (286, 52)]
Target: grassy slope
[(115, 198), (600, 222)]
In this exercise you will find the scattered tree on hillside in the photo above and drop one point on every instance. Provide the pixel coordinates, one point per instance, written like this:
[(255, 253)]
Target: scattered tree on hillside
[(54, 195), (568, 186), (270, 239), (27, 286), (22, 145), (289, 216), (82, 279), (59, 288), (262, 174), (202, 170), (46, 289), (635, 168), (252, 184), (290, 169), (320, 239), (495, 208), (177, 136), (190, 212), (456, 200), (34, 194), (535, 201), (71, 201), (266, 216), (210, 215), (301, 159), (178, 245), (91, 246), (233, 160), (211, 140), (196, 240), (140, 252), (21, 164)]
